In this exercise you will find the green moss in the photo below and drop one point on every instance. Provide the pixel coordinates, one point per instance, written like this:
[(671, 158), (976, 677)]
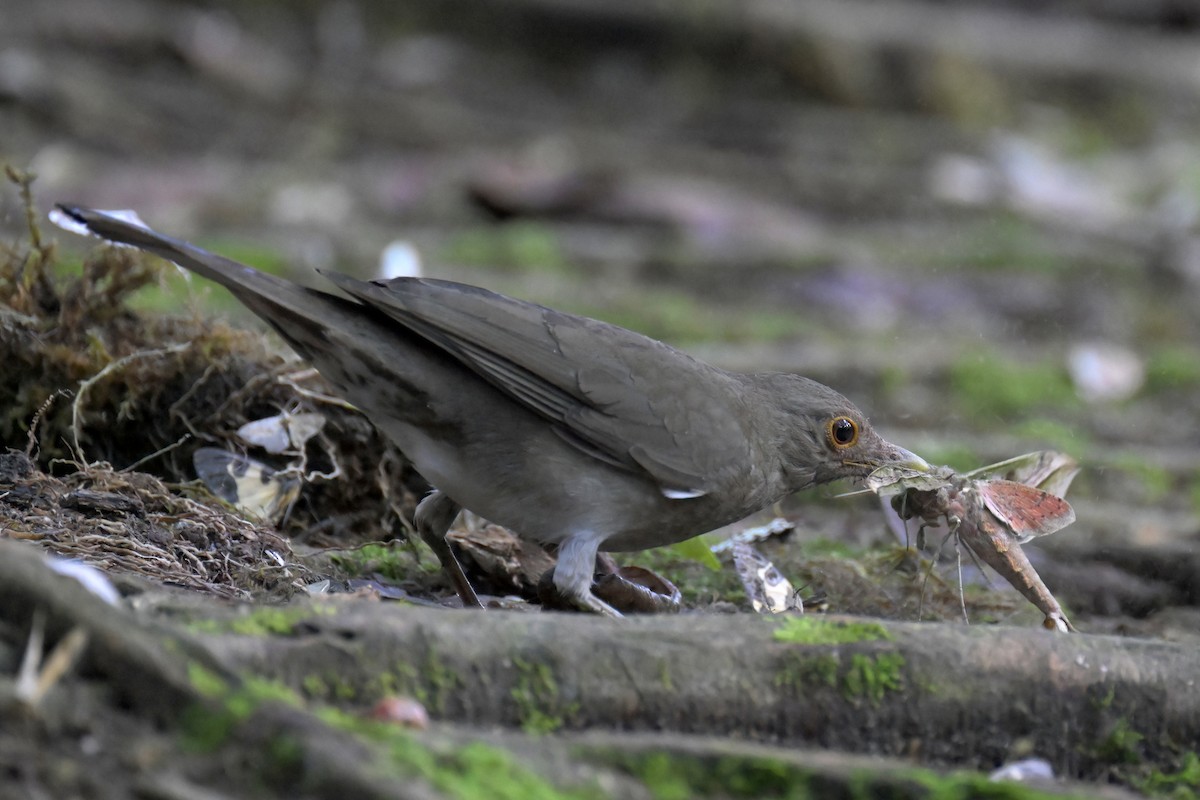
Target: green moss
[(442, 681), (865, 676), (208, 726), (988, 386), (1053, 433), (475, 771), (471, 772), (330, 686), (1107, 700), (262, 621), (393, 562), (1173, 368), (517, 246), (1122, 745), (817, 630), (1181, 785), (801, 672), (539, 707), (285, 758), (873, 677), (431, 682), (205, 681), (315, 686), (406, 679), (678, 776)]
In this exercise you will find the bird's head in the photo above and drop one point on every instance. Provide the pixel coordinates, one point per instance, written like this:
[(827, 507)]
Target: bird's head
[(825, 436)]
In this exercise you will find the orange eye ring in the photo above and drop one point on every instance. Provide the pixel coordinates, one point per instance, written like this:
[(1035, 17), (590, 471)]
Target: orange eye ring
[(841, 433)]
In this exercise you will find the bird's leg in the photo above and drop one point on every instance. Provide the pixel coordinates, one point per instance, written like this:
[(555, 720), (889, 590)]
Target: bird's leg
[(435, 514), (574, 571)]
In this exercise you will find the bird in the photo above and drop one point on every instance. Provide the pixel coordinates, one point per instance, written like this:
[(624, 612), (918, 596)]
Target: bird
[(570, 431)]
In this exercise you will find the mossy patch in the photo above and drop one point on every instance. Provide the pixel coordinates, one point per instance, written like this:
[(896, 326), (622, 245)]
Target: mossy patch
[(393, 561), (816, 630), (262, 621), (864, 677), (989, 386), (872, 677), (475, 771), (802, 671), (1054, 434), (328, 685), (1183, 784), (540, 708), (431, 682), (678, 776), (471, 772), (1122, 745), (207, 727), (205, 681), (868, 676), (1173, 368), (524, 246)]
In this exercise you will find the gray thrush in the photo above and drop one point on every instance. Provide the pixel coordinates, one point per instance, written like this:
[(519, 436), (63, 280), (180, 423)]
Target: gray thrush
[(567, 430)]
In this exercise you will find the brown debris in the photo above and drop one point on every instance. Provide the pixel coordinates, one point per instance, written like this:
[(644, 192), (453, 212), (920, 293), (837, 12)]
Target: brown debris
[(132, 523), (510, 564)]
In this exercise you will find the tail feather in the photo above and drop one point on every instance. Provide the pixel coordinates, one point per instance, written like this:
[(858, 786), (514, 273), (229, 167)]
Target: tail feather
[(305, 318), (245, 282)]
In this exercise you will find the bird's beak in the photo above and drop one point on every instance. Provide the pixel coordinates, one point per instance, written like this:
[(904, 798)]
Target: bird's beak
[(907, 459)]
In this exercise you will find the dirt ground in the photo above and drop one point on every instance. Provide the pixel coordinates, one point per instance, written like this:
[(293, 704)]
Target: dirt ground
[(971, 219)]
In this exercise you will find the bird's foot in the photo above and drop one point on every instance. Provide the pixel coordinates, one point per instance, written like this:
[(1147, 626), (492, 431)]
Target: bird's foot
[(554, 597)]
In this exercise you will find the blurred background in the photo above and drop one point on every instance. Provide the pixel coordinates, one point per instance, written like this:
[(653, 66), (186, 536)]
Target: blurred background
[(976, 219)]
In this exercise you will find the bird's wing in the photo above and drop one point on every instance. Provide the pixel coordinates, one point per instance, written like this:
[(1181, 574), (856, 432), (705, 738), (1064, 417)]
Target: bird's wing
[(624, 398)]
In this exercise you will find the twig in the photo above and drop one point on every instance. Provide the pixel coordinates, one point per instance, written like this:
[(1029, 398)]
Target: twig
[(120, 363), (165, 449), (31, 444)]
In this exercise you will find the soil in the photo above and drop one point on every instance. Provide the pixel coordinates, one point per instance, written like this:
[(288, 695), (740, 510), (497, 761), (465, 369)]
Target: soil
[(983, 236)]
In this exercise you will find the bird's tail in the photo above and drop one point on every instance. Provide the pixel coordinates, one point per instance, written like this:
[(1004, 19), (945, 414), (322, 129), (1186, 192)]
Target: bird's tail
[(327, 330), (247, 284)]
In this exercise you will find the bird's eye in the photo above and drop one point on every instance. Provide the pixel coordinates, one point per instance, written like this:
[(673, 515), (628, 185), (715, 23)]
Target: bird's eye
[(842, 432)]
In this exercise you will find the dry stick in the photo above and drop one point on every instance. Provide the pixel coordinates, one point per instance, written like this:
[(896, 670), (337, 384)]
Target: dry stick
[(120, 363), (164, 449), (173, 410), (24, 181), (37, 418), (35, 678)]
